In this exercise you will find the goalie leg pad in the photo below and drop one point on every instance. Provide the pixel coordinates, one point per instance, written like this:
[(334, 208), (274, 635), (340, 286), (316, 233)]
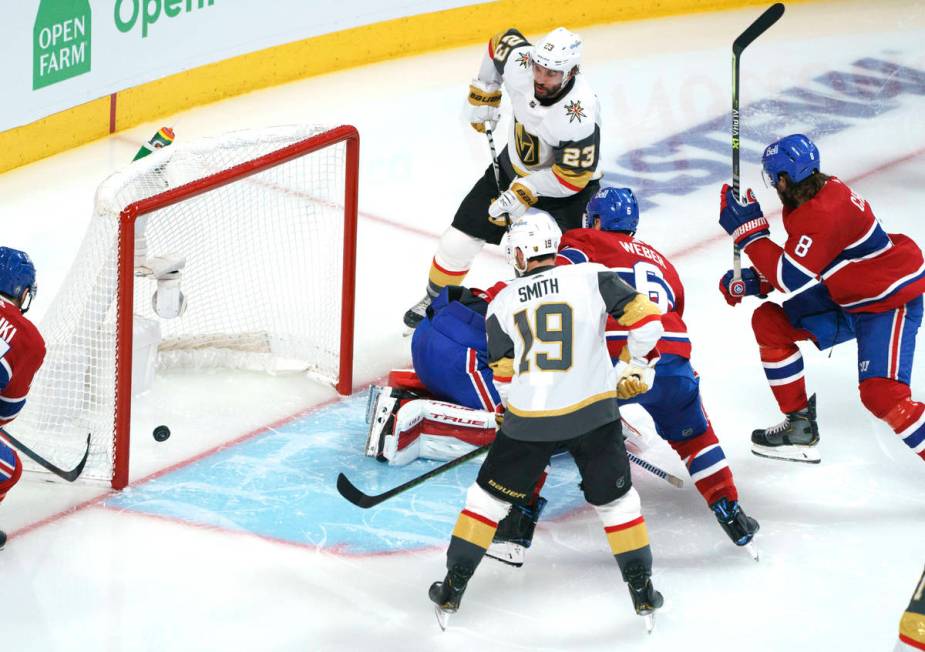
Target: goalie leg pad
[(436, 430)]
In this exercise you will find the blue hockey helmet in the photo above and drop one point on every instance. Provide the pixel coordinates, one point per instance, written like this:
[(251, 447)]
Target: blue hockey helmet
[(616, 208), (17, 274), (794, 154)]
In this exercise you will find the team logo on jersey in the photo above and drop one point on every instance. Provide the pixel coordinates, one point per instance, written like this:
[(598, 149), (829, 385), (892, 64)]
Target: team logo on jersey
[(575, 111), (528, 145), (523, 59)]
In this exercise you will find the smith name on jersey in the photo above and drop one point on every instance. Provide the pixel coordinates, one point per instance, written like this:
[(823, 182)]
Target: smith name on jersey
[(554, 144), (547, 328)]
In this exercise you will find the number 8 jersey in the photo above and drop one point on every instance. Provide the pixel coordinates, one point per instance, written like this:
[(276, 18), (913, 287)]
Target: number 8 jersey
[(547, 330)]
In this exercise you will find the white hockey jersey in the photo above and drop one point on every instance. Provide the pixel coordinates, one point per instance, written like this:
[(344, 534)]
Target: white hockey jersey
[(555, 146), (550, 326)]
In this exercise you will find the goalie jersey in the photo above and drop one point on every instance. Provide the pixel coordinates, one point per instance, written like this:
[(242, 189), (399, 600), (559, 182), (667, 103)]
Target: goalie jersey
[(642, 267), (555, 145), (547, 328)]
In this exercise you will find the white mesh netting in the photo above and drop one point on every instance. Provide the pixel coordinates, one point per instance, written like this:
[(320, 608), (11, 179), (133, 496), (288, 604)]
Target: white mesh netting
[(262, 282)]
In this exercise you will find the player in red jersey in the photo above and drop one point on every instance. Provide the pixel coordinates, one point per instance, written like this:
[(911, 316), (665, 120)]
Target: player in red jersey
[(853, 281), (673, 402), (22, 351)]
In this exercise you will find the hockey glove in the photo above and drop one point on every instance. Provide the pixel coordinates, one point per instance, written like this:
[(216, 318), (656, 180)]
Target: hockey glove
[(755, 285), (484, 104), (635, 379), (513, 202), (742, 218)]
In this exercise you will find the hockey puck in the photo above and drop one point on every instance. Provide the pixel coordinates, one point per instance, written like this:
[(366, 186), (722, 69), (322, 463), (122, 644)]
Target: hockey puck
[(161, 433)]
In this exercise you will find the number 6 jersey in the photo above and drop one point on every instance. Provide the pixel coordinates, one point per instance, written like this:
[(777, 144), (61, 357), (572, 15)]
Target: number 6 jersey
[(546, 329), (643, 267)]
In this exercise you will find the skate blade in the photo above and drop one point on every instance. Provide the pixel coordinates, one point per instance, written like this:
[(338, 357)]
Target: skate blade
[(407, 332), (443, 617), (805, 454), (751, 549), (649, 620)]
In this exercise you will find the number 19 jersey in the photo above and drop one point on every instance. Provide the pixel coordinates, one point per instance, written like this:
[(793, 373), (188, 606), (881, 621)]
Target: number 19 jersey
[(549, 326)]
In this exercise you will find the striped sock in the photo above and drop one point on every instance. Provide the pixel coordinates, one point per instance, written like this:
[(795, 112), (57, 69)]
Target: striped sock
[(706, 462), (783, 367), (907, 420), (440, 276)]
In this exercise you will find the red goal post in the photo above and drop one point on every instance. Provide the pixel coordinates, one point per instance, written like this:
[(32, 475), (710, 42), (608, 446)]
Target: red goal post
[(129, 215), (252, 214)]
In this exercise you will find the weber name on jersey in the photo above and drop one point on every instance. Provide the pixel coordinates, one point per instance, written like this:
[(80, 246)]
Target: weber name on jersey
[(554, 144), (644, 268), (547, 329)]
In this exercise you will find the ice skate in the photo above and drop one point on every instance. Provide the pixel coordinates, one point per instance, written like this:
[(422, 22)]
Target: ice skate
[(416, 313), (2, 539), (646, 600), (740, 527), (793, 439), (447, 595), (515, 534)]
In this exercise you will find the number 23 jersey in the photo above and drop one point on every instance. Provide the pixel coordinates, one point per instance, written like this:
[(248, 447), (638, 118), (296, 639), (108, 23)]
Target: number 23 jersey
[(549, 326)]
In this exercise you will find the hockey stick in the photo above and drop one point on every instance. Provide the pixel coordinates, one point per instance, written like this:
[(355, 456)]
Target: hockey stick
[(496, 167), (70, 476), (349, 491), (770, 16), (654, 470)]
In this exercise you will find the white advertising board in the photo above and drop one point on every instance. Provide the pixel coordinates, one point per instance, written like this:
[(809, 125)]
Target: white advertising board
[(58, 54)]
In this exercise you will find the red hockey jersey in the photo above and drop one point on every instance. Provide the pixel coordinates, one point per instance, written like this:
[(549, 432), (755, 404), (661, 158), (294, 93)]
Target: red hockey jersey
[(22, 351), (835, 238), (645, 269)]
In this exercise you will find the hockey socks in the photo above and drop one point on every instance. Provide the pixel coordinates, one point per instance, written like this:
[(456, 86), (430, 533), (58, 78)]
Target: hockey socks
[(451, 263), (891, 400), (783, 367), (780, 357), (475, 529), (706, 462), (626, 532), (10, 469), (908, 421)]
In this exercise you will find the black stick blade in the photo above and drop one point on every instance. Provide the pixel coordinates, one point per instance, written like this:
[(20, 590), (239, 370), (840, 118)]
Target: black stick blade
[(74, 473), (770, 16), (352, 494)]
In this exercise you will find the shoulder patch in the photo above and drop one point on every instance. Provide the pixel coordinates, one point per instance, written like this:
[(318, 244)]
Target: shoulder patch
[(575, 111)]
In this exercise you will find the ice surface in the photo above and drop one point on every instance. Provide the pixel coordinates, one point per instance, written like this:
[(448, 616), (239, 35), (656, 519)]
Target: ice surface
[(233, 537)]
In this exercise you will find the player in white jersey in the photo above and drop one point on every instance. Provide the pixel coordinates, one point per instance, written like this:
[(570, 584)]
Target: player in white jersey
[(547, 330), (551, 157)]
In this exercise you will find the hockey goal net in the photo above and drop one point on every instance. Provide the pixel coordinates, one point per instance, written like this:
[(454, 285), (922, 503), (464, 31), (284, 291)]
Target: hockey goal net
[(265, 222)]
